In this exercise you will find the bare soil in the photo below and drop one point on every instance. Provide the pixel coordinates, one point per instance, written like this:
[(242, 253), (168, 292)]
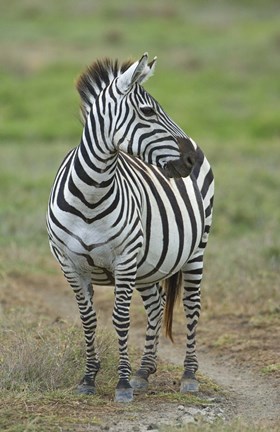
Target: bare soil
[(231, 349)]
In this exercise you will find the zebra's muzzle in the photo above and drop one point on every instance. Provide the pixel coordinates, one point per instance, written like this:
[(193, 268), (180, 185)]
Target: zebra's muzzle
[(183, 166)]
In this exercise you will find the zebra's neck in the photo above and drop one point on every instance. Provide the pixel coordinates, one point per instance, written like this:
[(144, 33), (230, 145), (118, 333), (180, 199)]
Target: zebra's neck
[(94, 163)]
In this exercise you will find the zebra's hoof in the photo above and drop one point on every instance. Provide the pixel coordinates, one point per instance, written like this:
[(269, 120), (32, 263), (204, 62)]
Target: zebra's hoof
[(124, 395), (139, 384), (189, 385), (86, 389), (86, 386)]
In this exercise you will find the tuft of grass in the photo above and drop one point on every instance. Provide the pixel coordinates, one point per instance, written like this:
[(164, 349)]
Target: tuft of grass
[(272, 254), (266, 320), (166, 382), (44, 357), (41, 363), (224, 340), (275, 367), (207, 386)]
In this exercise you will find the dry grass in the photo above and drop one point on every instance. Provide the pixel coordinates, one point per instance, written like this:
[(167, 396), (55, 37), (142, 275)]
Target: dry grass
[(44, 356), (41, 362)]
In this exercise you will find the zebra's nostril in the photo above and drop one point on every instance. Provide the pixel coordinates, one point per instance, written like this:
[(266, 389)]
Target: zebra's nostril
[(190, 160)]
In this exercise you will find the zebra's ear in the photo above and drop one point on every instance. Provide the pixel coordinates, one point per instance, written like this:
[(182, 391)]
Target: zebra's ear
[(149, 71), (135, 73)]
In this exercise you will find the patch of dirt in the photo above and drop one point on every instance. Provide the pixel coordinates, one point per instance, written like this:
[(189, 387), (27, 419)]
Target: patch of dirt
[(245, 341), (229, 353), (253, 398)]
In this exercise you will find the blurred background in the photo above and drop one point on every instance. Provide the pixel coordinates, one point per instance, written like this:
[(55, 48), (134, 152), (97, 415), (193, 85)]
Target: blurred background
[(217, 77)]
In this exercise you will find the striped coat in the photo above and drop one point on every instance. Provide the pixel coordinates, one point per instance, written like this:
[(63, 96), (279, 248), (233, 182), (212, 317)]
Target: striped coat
[(131, 206)]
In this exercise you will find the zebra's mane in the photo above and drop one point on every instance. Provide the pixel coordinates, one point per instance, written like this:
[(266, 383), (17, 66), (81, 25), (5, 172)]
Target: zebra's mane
[(95, 78)]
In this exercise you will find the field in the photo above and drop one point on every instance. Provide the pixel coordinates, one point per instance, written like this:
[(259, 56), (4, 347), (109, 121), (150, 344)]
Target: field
[(218, 78)]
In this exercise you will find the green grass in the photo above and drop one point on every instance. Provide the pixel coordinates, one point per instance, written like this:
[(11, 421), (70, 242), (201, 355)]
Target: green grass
[(271, 368), (217, 73)]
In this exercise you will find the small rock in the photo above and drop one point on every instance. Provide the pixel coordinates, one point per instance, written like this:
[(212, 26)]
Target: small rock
[(220, 410), (193, 411), (187, 419), (216, 399), (206, 410), (181, 408), (152, 426)]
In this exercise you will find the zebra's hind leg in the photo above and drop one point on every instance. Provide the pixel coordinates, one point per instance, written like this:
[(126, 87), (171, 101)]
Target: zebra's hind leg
[(83, 290), (192, 273), (153, 299)]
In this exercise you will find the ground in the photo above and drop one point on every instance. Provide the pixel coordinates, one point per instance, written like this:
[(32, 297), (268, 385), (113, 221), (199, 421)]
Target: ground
[(232, 360)]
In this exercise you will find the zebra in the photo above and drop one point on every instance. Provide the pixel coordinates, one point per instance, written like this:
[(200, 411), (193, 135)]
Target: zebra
[(131, 206)]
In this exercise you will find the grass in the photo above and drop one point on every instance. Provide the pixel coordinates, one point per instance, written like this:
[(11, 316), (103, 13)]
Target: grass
[(41, 362), (46, 357), (43, 356), (223, 56), (275, 367)]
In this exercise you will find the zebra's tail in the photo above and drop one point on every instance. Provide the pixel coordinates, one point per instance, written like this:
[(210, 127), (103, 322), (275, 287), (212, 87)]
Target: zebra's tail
[(172, 287)]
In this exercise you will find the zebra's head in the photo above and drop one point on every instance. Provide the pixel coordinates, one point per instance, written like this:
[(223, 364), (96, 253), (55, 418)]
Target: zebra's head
[(132, 119)]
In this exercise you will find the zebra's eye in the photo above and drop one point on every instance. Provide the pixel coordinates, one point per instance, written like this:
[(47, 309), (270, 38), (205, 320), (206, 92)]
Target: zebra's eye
[(148, 111)]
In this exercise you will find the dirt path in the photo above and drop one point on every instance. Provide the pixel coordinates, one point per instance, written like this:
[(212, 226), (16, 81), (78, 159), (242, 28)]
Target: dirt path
[(250, 397), (254, 399)]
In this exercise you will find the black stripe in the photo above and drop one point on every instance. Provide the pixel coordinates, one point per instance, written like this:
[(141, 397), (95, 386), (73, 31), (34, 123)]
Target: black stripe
[(177, 214), (207, 181), (184, 194)]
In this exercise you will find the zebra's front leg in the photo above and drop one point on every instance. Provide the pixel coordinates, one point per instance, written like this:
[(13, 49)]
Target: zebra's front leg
[(84, 295), (153, 300), (192, 274), (125, 281)]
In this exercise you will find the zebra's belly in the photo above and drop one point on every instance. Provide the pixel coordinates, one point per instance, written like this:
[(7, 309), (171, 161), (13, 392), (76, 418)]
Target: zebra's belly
[(158, 264), (161, 256)]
